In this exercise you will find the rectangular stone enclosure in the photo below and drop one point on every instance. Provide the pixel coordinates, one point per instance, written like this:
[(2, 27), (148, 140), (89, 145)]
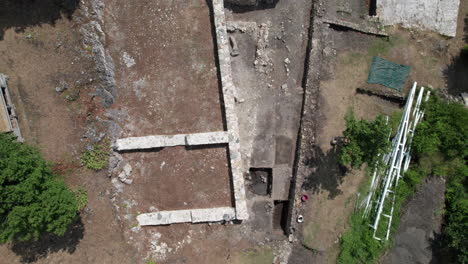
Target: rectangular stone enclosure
[(229, 137)]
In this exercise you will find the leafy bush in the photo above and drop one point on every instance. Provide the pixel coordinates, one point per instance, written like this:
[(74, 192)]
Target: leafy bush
[(33, 200), (365, 140), (96, 158), (456, 220), (358, 244), (444, 130), (81, 198), (440, 149)]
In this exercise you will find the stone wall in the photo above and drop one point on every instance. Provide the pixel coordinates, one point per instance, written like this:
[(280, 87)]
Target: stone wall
[(437, 15)]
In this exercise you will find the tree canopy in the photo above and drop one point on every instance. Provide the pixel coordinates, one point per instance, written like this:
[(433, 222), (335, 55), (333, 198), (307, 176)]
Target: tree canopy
[(365, 140), (32, 199)]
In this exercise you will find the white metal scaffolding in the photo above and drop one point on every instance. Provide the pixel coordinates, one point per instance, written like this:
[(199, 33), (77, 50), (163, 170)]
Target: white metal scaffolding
[(381, 197)]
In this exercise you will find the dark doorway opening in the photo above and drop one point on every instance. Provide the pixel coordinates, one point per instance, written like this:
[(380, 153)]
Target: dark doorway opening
[(261, 180), (280, 215), (372, 7)]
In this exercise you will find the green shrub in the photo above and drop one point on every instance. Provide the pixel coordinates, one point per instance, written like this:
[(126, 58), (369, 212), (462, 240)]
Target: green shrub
[(440, 149), (96, 158), (456, 218), (365, 140), (81, 198), (358, 244), (444, 130), (32, 200)]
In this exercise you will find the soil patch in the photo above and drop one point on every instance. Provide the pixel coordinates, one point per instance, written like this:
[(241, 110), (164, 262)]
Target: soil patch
[(176, 178), (419, 225)]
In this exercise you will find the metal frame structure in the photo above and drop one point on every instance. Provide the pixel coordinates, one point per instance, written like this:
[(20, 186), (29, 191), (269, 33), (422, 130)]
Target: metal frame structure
[(380, 200)]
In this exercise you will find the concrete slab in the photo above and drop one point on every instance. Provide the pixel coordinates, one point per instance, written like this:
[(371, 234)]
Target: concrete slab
[(209, 138), (288, 115), (437, 15), (213, 214), (165, 217), (281, 183), (263, 151), (187, 216), (160, 141)]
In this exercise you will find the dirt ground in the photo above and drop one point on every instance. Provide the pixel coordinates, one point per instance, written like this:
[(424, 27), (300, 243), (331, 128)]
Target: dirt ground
[(39, 51), (417, 237), (346, 58), (167, 83), (165, 70)]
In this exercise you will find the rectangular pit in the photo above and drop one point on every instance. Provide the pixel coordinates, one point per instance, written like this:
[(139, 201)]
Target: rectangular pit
[(179, 178)]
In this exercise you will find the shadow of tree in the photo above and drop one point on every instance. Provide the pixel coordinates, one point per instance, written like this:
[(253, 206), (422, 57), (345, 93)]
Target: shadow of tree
[(456, 74), (328, 174), (31, 251), (440, 253), (20, 14)]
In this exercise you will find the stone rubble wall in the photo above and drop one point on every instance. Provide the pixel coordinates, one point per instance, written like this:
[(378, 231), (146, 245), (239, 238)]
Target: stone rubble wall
[(187, 216), (437, 15), (229, 96)]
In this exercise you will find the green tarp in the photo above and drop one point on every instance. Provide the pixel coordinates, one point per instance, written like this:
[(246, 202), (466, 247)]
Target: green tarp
[(389, 74)]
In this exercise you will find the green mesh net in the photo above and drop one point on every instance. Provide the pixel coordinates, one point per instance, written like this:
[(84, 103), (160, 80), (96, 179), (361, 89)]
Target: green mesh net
[(389, 74)]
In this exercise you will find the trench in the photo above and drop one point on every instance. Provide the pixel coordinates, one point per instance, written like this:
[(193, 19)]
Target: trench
[(292, 191)]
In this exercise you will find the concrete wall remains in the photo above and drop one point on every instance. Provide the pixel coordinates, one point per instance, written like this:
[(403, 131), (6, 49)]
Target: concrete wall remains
[(187, 216), (231, 136), (437, 15), (161, 141), (229, 96)]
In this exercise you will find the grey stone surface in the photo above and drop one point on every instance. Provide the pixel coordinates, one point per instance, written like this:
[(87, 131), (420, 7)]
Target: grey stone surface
[(281, 183), (437, 15), (165, 217), (148, 142), (229, 96), (161, 141), (207, 138), (362, 27), (213, 214), (187, 216)]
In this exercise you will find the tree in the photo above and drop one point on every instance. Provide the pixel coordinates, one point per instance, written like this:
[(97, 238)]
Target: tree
[(364, 141), (32, 199), (441, 140)]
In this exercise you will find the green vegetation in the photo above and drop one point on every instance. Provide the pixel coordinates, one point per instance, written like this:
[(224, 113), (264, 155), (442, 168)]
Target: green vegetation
[(32, 199), (357, 243), (439, 149), (310, 231), (81, 198), (365, 140), (96, 158), (261, 256)]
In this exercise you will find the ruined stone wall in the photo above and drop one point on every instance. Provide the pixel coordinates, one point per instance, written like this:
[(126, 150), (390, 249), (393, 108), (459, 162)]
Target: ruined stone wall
[(437, 15)]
